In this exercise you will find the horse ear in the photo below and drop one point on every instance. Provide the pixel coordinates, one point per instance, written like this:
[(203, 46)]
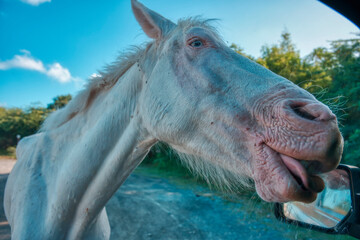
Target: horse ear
[(153, 24)]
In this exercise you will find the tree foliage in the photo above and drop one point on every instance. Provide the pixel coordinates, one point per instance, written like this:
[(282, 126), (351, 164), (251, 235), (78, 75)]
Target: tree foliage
[(285, 60), (346, 82), (16, 123), (59, 102)]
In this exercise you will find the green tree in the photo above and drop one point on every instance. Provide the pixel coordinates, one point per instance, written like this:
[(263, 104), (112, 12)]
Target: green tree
[(284, 59), (11, 120), (346, 82), (25, 122), (323, 58), (15, 121), (59, 102)]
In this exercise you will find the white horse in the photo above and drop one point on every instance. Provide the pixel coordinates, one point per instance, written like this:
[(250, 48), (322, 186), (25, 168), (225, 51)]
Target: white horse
[(188, 89)]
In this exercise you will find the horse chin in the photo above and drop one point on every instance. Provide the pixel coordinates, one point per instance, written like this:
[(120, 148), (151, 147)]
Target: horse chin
[(280, 178)]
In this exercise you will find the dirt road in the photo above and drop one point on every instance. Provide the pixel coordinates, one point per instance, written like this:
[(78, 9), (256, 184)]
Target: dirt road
[(148, 207)]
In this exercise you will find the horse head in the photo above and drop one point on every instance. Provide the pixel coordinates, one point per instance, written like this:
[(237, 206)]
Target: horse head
[(207, 101)]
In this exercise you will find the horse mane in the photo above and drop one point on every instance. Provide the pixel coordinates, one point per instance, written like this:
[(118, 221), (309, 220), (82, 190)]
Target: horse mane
[(105, 80), (108, 77)]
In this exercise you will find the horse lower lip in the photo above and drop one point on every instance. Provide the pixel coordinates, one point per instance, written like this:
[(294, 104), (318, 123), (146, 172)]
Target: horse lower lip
[(274, 182), (308, 182), (295, 168)]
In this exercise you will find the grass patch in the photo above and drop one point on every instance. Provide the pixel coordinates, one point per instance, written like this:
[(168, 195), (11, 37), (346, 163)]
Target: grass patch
[(7, 153), (163, 162)]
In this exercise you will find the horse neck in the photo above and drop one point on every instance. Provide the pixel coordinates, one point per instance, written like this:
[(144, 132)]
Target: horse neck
[(109, 145)]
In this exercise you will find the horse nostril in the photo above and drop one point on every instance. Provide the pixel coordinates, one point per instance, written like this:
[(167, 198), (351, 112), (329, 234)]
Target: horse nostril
[(300, 111), (313, 111)]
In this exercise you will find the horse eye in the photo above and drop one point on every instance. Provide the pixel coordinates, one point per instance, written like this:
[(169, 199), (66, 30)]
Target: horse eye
[(196, 44)]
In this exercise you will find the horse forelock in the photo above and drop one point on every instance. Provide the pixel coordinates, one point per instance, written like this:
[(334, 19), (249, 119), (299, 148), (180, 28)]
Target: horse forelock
[(197, 21)]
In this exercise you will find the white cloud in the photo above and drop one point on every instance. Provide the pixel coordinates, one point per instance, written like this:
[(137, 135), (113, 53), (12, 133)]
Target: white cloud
[(95, 75), (35, 2), (60, 73), (26, 61)]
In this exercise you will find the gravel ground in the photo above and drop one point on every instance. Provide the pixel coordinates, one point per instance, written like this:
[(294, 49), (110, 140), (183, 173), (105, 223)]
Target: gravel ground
[(150, 207)]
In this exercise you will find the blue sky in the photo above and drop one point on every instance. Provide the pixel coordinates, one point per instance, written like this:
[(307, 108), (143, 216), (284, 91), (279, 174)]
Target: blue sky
[(50, 47)]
